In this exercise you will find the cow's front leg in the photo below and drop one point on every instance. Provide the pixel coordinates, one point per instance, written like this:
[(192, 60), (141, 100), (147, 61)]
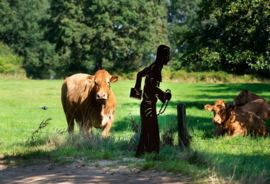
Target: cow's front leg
[(90, 131), (108, 127)]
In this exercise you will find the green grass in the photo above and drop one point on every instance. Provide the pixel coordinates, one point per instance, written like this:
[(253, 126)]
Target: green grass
[(240, 159)]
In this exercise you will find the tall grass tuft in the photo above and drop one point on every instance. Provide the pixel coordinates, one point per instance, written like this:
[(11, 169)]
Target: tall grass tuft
[(134, 140), (42, 125), (168, 136)]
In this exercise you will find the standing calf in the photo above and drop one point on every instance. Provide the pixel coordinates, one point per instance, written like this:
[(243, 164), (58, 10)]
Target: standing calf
[(90, 101)]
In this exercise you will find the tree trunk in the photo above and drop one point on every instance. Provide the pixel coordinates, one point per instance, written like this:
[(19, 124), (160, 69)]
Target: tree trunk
[(98, 65)]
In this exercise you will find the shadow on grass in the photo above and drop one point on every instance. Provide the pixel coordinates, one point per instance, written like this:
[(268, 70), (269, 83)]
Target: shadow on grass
[(193, 121), (213, 91), (241, 167)]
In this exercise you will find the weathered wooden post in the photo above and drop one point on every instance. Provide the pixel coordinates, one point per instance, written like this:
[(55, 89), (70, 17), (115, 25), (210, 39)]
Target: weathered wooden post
[(183, 139)]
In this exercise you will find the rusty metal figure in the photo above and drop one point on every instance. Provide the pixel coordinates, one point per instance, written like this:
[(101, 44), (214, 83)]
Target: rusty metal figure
[(149, 138)]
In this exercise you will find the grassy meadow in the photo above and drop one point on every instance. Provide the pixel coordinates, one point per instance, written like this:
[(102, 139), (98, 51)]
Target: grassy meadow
[(240, 159)]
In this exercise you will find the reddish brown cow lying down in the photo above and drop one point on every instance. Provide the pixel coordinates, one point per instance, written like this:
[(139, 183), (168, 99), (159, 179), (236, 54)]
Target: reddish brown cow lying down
[(260, 107), (234, 120), (90, 101), (253, 103), (244, 97)]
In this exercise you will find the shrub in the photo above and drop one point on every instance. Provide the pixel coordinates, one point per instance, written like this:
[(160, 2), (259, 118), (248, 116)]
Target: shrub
[(10, 63)]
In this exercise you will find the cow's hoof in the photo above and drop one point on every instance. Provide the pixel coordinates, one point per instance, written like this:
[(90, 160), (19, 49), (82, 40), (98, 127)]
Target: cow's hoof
[(104, 135)]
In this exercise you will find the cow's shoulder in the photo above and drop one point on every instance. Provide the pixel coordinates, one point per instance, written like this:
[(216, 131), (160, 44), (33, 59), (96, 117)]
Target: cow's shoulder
[(240, 111), (253, 96), (259, 100), (240, 114)]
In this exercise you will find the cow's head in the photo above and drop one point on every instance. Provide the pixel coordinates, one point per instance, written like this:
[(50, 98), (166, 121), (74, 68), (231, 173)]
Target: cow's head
[(102, 80), (242, 98), (221, 111)]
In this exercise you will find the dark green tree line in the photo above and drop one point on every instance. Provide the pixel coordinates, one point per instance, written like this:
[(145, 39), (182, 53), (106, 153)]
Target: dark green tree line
[(21, 29), (234, 36), (116, 32), (182, 16), (72, 36)]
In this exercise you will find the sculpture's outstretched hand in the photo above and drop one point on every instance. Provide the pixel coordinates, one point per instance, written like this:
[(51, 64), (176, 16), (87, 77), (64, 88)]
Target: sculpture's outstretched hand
[(168, 96)]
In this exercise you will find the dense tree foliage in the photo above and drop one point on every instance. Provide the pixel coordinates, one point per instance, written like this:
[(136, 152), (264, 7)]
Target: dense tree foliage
[(234, 36), (103, 31), (66, 37), (21, 29), (182, 16)]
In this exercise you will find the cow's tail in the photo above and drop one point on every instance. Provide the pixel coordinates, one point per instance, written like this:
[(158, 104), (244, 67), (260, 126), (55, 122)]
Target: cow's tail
[(268, 112), (64, 97)]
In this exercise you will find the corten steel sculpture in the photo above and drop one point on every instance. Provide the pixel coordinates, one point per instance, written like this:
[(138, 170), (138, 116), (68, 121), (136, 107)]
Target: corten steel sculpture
[(149, 138)]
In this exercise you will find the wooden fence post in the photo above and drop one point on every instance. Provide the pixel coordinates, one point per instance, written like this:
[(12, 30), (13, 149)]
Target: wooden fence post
[(183, 139)]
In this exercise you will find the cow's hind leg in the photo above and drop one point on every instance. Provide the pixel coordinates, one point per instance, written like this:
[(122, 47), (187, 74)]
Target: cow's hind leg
[(70, 121)]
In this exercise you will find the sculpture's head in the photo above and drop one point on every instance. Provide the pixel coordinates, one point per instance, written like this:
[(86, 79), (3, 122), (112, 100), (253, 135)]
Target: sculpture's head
[(163, 54)]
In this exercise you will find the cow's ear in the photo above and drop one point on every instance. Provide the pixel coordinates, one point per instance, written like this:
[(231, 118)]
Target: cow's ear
[(114, 79), (231, 107), (90, 78), (209, 107), (245, 90)]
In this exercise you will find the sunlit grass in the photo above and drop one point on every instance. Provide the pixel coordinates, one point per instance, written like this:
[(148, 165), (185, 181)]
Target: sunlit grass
[(237, 159)]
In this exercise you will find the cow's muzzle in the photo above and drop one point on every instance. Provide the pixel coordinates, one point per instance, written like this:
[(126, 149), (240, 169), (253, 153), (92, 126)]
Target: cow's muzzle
[(102, 96), (216, 121), (235, 102)]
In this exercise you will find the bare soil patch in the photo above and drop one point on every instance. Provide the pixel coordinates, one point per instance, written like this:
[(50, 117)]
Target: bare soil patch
[(81, 171)]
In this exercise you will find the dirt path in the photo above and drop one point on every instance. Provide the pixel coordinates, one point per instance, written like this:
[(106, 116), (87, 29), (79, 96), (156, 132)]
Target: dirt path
[(83, 172)]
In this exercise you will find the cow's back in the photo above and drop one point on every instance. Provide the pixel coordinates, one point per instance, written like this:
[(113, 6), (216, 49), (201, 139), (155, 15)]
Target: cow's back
[(252, 96), (74, 89), (245, 97), (259, 107), (250, 121)]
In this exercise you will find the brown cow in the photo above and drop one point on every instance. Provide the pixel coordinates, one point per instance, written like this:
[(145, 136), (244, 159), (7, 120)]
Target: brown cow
[(244, 97), (253, 103), (90, 101), (234, 120), (260, 107)]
